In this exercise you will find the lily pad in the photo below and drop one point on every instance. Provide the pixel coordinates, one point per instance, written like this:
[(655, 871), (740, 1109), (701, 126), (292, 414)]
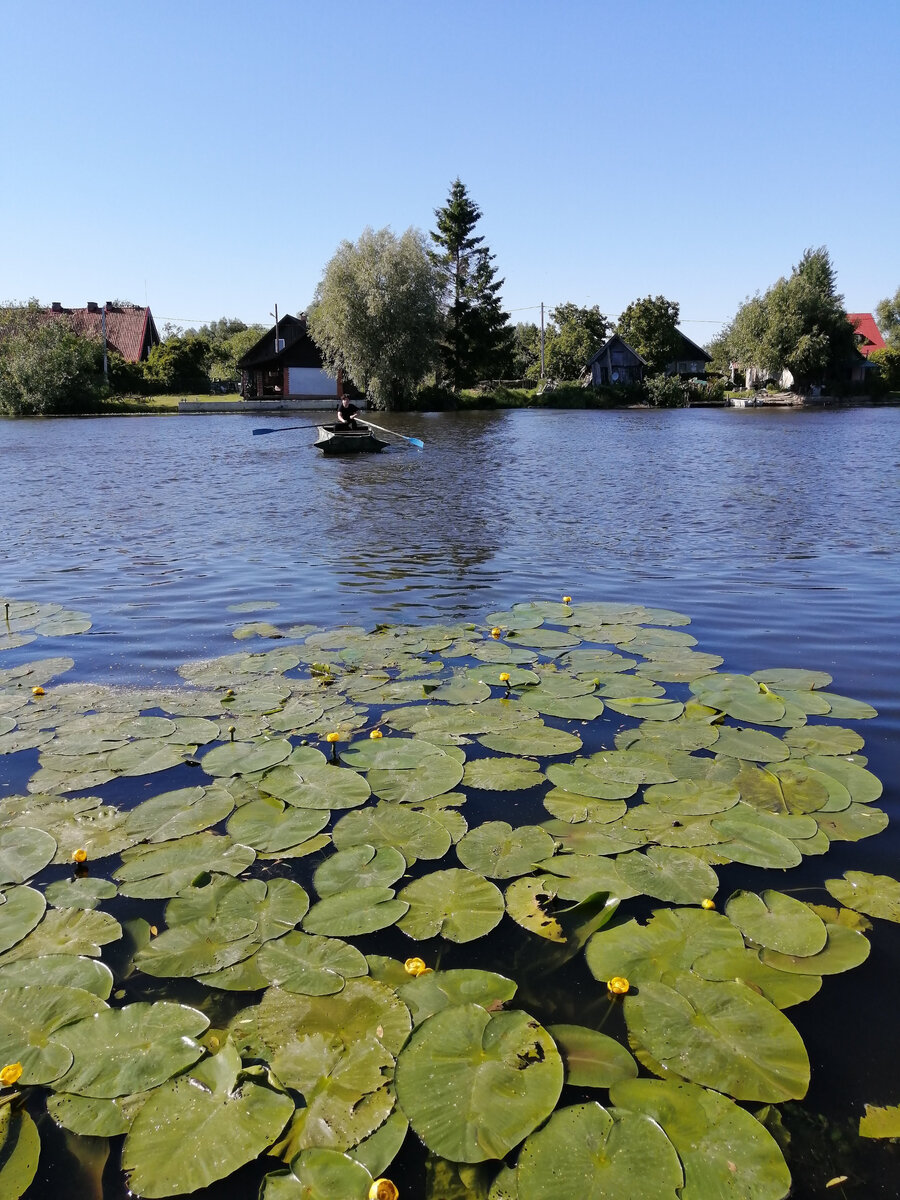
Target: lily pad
[(474, 1085), (502, 774), (24, 852), (670, 941), (419, 835), (354, 911), (198, 947), (668, 874), (30, 1017), (845, 949), (876, 895), (777, 921), (21, 911), (162, 870), (436, 775), (459, 905), (322, 787), (243, 758), (20, 1149), (202, 1126), (744, 966), (315, 966), (62, 970), (436, 990), (533, 738), (592, 1059), (498, 851), (318, 1174), (176, 814), (272, 829), (85, 891)]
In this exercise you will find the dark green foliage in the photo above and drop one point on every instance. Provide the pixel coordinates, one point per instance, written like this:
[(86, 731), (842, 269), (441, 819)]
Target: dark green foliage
[(477, 342), (798, 325), (665, 391), (571, 336), (887, 313), (229, 339), (46, 368), (126, 378), (887, 360), (179, 364), (649, 326)]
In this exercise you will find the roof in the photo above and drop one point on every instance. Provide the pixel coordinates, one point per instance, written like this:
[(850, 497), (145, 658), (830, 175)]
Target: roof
[(607, 345), (130, 328), (690, 352), (299, 349), (867, 331)]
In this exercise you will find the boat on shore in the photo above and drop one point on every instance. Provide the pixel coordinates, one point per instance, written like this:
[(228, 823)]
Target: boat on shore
[(339, 439)]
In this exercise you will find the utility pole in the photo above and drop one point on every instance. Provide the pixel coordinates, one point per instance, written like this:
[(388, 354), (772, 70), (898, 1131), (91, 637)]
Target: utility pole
[(105, 359), (542, 339), (275, 315)]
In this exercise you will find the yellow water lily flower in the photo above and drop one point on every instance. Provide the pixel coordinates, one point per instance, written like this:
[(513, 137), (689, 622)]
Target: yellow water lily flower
[(415, 967), (376, 733), (618, 985), (37, 691), (332, 737), (567, 599), (383, 1189), (10, 1074), (504, 676), (79, 855), (496, 632), (707, 903)]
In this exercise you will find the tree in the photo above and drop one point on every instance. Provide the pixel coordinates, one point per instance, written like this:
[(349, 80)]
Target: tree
[(649, 326), (45, 367), (376, 314), (477, 342), (229, 339), (179, 364), (799, 325), (574, 334), (887, 358), (526, 351), (887, 313)]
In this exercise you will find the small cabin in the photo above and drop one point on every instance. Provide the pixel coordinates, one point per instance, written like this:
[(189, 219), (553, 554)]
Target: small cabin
[(286, 364), (691, 359), (616, 364)]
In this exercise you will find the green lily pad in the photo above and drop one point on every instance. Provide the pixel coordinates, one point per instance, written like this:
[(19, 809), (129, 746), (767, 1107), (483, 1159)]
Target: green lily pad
[(318, 1174), (119, 1052), (591, 1058), (720, 1035), (62, 970), (198, 947), (876, 895), (571, 708), (359, 1011), (202, 1126), (474, 1085), (572, 808), (272, 829), (19, 914), (355, 911), (751, 842), (845, 949), (824, 740), (498, 851), (502, 774), (81, 892), (274, 908), (668, 874), (322, 787), (647, 708), (244, 758), (20, 1150), (782, 988), (91, 1117), (670, 941), (436, 990), (459, 905), (740, 697), (315, 966), (67, 931), (724, 1150), (162, 870), (359, 866), (777, 921), (853, 823), (30, 1017), (172, 815), (753, 744), (579, 779), (533, 738), (437, 774), (585, 1150), (693, 797), (418, 834), (389, 754), (24, 852)]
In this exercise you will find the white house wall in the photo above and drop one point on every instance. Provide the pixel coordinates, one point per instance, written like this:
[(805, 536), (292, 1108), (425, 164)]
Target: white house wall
[(310, 381)]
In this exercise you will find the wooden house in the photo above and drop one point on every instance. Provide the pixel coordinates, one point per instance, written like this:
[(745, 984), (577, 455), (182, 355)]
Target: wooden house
[(286, 364), (691, 359), (129, 328), (615, 363), (868, 335)]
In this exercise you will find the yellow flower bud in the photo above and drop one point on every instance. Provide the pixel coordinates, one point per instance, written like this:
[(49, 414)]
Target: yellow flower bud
[(496, 632), (79, 856), (37, 691), (10, 1074), (414, 966), (618, 985), (707, 903), (383, 1189), (567, 599), (332, 737), (504, 676), (376, 733)]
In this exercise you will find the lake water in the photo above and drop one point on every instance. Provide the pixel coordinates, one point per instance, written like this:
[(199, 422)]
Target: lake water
[(777, 531)]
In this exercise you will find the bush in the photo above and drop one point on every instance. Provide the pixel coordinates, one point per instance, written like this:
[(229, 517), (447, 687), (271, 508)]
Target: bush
[(46, 368), (179, 364), (665, 391)]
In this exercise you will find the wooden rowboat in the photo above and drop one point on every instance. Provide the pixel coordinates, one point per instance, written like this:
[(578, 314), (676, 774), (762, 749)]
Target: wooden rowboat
[(338, 439)]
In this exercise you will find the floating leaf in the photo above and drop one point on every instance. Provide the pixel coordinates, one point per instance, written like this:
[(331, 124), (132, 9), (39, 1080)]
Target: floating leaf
[(744, 966), (585, 1150), (20, 1149), (436, 990), (670, 941), (273, 830), (389, 754), (419, 835), (21, 911), (30, 1016), (202, 1126), (355, 911), (81, 892), (777, 921), (459, 905), (198, 947), (845, 949), (323, 787), (62, 970), (164, 869), (877, 895), (880, 1122), (67, 931), (474, 1085), (176, 814), (243, 758), (534, 738), (436, 775), (315, 966), (823, 740), (24, 852), (498, 851), (502, 774), (318, 1174), (591, 1058), (668, 874)]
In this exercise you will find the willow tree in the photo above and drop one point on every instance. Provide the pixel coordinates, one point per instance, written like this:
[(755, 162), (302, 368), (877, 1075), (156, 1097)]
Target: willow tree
[(376, 314)]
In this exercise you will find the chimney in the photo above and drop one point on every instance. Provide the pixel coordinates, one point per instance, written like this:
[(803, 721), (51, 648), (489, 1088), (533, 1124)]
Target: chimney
[(109, 304), (93, 306), (56, 306)]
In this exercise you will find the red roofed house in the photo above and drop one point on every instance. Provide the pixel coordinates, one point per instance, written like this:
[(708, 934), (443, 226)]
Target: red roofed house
[(868, 337), (130, 329)]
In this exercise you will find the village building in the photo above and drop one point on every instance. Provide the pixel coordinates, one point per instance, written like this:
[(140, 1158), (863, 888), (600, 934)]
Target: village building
[(868, 335), (127, 329), (691, 360), (286, 364), (616, 363)]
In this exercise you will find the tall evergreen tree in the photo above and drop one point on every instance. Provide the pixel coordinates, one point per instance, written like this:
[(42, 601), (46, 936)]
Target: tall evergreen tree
[(477, 340)]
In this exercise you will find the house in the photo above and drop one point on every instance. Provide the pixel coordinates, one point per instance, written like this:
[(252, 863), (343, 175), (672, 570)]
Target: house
[(616, 363), (129, 329), (868, 337), (691, 359), (286, 364)]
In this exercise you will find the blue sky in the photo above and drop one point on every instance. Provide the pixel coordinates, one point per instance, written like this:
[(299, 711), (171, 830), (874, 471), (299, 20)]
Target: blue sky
[(208, 157)]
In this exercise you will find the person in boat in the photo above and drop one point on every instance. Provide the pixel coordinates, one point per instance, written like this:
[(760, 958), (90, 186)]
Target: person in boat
[(346, 414)]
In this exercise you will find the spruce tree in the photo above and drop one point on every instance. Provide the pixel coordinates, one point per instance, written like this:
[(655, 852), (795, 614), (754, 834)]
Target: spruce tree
[(477, 340)]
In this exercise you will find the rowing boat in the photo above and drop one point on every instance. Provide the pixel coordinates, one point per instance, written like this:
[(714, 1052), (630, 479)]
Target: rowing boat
[(338, 439)]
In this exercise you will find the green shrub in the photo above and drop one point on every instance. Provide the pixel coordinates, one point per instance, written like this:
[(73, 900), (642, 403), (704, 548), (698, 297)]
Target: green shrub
[(665, 391), (46, 368)]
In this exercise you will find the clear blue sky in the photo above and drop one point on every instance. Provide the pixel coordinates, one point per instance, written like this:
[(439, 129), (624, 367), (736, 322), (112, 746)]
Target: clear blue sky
[(209, 156)]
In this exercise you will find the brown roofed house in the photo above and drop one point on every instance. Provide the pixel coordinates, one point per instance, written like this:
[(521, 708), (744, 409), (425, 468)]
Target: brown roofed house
[(130, 328)]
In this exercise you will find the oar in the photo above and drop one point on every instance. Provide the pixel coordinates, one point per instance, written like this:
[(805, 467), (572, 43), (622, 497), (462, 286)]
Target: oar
[(281, 428), (414, 441)]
